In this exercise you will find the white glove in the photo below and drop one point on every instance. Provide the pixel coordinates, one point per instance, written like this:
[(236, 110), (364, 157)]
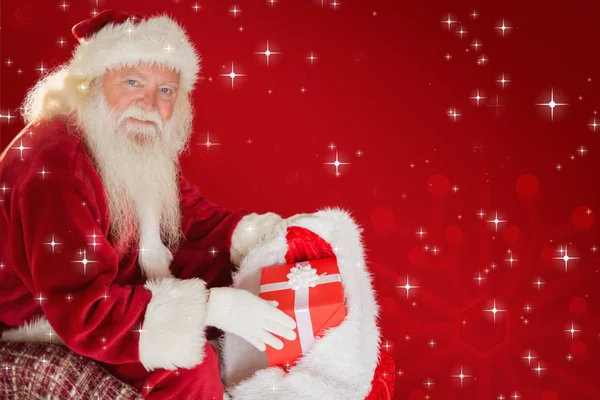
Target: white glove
[(248, 316)]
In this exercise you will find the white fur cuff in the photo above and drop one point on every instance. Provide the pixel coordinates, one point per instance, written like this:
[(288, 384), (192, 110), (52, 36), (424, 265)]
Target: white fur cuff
[(248, 233), (173, 332)]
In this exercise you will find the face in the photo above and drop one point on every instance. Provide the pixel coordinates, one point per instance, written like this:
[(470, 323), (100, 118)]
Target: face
[(144, 95)]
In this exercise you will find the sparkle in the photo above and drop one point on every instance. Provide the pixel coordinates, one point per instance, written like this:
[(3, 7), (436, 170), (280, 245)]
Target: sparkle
[(539, 369), (482, 60), (481, 213), (335, 4), (84, 261), (582, 150), (448, 56), (461, 376), (94, 236), (64, 5), (271, 2), (232, 75), (529, 357), (476, 44), (552, 104), (569, 357), (511, 259), (312, 58), (503, 28), (69, 297), (213, 251), (42, 69), (461, 32), (449, 21), (41, 298), (474, 14), (454, 114), (196, 7), (479, 278), (478, 97), (61, 42), (408, 287), (432, 343), (527, 308), (43, 172), (235, 11), (53, 243), (337, 163), (593, 124), (387, 346), (428, 383), (9, 62), (21, 148), (515, 395), (8, 117), (503, 80), (572, 330), (565, 257), (169, 48), (421, 233), (139, 330), (496, 221), (208, 143), (494, 310), (268, 53)]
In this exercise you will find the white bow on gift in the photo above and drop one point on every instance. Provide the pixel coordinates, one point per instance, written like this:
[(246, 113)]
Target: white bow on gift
[(301, 278)]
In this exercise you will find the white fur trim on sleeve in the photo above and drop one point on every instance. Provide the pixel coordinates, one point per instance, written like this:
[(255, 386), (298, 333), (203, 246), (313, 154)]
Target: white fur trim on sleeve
[(249, 232), (173, 331)]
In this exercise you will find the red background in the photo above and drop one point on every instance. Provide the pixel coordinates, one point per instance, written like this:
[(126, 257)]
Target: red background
[(379, 94)]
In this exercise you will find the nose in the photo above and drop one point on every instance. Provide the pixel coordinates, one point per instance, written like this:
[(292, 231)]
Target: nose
[(148, 101)]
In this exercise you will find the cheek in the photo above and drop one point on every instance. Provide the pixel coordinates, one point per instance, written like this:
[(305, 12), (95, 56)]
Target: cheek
[(123, 100)]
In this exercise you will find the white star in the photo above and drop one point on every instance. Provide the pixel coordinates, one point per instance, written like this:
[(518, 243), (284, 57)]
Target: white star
[(42, 69), (421, 232), (552, 104), (529, 357), (478, 97), (232, 75), (53, 243), (312, 57), (84, 261), (337, 163), (208, 143), (235, 10), (538, 282), (64, 5), (407, 287), (572, 330), (461, 376), (496, 221), (449, 21), (511, 259), (503, 81), (476, 44), (41, 298), (503, 28), (196, 7), (21, 148), (582, 150), (593, 124), (94, 236), (454, 114), (479, 278), (539, 369), (494, 310), (566, 258), (268, 52)]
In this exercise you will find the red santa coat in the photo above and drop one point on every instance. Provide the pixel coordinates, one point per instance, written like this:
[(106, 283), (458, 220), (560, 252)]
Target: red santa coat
[(57, 259)]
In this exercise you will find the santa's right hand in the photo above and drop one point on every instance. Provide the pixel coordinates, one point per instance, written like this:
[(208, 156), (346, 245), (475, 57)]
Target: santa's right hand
[(248, 316)]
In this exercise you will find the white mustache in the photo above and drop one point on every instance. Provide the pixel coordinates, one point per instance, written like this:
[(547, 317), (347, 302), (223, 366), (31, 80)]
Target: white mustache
[(142, 115)]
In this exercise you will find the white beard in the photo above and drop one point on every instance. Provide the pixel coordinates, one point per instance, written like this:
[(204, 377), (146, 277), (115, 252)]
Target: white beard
[(140, 180)]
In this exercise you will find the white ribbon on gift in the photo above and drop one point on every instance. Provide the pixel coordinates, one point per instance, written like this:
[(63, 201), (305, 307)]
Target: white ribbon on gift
[(300, 279)]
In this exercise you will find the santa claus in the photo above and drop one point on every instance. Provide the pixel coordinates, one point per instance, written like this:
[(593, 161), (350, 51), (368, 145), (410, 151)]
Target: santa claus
[(107, 248)]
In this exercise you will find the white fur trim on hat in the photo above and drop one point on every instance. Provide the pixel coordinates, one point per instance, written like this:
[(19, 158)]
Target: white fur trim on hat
[(156, 40)]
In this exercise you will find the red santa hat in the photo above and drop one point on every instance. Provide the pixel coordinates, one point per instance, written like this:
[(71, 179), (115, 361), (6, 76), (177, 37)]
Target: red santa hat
[(112, 38)]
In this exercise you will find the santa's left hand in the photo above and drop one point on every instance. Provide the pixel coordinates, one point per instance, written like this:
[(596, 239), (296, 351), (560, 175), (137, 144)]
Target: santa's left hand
[(155, 261)]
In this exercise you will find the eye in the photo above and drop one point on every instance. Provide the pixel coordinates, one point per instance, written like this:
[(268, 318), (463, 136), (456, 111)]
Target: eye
[(132, 82), (166, 90)]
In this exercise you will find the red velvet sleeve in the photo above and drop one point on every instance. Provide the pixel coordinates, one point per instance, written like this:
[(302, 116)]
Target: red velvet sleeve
[(73, 279), (207, 228)]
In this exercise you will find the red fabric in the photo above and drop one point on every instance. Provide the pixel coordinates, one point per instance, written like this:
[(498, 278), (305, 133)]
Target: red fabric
[(96, 311), (305, 245), (86, 28)]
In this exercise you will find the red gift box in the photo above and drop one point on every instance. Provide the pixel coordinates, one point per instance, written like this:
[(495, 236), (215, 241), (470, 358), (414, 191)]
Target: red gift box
[(311, 292)]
